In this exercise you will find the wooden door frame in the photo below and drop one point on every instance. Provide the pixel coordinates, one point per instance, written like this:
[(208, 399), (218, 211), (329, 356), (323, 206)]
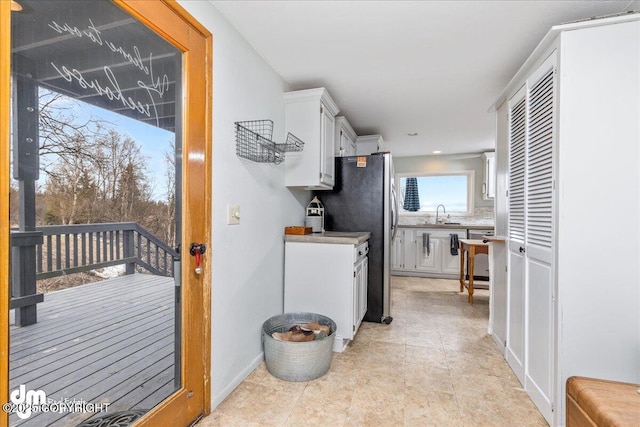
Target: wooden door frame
[(5, 111), (196, 136)]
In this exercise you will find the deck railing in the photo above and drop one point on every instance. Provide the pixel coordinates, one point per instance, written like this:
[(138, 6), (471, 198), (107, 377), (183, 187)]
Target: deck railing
[(57, 250), (68, 249)]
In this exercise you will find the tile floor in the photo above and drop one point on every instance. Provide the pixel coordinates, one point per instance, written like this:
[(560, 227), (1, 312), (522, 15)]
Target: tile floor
[(434, 365)]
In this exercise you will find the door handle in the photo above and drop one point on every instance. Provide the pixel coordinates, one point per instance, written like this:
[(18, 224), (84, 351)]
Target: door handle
[(197, 250)]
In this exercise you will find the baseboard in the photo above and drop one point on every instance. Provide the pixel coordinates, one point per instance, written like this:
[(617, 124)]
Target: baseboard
[(498, 343), (219, 398), (425, 274), (515, 364)]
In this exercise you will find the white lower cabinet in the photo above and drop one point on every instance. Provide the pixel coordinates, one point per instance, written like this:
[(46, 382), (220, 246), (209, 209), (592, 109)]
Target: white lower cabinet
[(450, 261), (397, 251), (328, 279), (416, 254), (360, 292), (426, 252)]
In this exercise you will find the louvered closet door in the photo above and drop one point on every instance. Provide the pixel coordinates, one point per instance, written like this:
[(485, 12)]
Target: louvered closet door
[(539, 208), (514, 352)]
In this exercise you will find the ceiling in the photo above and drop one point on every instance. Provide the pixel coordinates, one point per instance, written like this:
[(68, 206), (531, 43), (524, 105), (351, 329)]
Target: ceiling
[(398, 67)]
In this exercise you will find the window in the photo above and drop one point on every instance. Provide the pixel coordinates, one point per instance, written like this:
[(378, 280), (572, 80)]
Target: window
[(454, 190)]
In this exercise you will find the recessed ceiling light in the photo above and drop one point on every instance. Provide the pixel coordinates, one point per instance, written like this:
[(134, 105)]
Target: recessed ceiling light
[(437, 152), (413, 134)]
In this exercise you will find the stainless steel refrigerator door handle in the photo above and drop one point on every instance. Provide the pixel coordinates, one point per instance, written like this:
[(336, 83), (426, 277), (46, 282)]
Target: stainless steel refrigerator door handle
[(396, 216)]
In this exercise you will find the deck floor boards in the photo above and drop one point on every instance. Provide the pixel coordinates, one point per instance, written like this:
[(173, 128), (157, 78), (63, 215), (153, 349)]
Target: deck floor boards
[(109, 341)]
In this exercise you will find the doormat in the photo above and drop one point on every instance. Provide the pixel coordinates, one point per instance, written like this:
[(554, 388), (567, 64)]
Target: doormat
[(117, 419)]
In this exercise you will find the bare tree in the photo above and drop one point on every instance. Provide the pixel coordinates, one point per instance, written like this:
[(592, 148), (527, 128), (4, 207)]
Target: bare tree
[(170, 195), (123, 175), (60, 128), (69, 180), (109, 185), (96, 174)]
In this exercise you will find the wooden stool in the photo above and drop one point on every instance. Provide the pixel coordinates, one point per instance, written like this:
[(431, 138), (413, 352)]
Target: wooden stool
[(472, 247), (592, 402)]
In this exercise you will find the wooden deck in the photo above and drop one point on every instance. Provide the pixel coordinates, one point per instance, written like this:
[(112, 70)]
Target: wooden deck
[(110, 341)]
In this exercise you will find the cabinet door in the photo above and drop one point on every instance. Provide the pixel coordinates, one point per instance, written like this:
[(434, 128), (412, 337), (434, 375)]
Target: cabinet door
[(341, 142), (357, 273), (340, 150), (397, 251), (362, 289), (516, 222), (515, 301), (327, 137), (409, 249), (351, 147), (345, 146), (489, 185), (427, 255), (360, 280), (309, 115), (450, 263), (540, 313)]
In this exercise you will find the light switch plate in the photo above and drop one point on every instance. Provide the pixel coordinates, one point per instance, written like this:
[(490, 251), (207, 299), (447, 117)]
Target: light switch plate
[(233, 214)]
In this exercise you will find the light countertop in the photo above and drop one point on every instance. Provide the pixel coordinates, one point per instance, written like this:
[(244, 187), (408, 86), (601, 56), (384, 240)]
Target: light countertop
[(473, 242), (351, 238)]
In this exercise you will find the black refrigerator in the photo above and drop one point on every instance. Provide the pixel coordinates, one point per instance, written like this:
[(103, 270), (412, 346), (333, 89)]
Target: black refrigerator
[(364, 199)]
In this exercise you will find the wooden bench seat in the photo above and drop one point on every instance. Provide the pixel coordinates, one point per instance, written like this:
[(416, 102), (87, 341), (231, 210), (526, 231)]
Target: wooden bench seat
[(593, 402)]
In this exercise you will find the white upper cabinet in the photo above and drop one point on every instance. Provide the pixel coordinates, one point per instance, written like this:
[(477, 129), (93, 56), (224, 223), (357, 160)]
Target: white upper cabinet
[(369, 144), (310, 115), (489, 183), (345, 138)]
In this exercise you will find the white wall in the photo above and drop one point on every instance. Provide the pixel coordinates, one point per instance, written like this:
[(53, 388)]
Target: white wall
[(599, 198), (248, 259)]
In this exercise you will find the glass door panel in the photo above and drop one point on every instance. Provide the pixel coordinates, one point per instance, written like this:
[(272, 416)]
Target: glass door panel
[(94, 214)]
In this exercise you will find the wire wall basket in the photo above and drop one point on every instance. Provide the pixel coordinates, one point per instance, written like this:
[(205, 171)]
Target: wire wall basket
[(253, 142), (293, 143)]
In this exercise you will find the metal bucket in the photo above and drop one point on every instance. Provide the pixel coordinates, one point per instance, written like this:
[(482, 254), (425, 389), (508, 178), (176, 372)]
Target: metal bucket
[(297, 361)]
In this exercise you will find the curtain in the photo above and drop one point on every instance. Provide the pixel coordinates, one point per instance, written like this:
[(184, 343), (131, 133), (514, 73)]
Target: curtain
[(411, 198)]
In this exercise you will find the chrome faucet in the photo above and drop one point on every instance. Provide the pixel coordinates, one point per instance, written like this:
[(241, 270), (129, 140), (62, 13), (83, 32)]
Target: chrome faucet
[(444, 210)]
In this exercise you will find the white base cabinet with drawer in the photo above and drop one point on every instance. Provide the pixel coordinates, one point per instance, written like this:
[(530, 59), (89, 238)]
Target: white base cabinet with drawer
[(328, 279), (414, 254)]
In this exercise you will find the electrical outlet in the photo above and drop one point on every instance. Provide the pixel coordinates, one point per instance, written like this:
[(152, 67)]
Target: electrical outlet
[(233, 214)]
